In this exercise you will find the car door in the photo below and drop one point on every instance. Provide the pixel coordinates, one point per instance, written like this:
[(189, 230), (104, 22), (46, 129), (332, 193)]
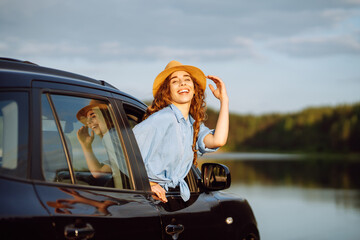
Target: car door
[(112, 205), (21, 212), (201, 217)]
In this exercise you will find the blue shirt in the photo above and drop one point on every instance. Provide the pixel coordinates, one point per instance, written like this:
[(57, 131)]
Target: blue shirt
[(116, 159), (165, 141)]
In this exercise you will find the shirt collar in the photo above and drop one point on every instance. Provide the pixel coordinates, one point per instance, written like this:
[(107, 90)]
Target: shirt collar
[(179, 116), (177, 113)]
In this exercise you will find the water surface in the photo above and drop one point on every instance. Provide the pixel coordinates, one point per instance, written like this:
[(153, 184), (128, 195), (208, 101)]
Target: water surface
[(294, 197)]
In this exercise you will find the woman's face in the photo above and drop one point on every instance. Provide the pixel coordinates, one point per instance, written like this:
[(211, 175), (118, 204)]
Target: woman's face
[(96, 122), (181, 87)]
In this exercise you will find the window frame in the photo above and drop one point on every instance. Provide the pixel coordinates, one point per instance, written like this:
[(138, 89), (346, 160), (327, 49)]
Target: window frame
[(141, 179), (62, 139), (118, 124)]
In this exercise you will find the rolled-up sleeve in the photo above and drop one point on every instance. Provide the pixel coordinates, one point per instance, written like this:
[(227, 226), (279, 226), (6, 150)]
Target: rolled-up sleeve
[(204, 131)]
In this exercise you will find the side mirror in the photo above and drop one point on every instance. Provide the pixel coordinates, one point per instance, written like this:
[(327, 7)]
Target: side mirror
[(215, 176)]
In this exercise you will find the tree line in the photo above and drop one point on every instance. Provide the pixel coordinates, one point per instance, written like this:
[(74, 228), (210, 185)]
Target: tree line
[(315, 129)]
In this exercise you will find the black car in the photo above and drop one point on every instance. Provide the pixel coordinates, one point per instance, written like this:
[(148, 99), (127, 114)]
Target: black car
[(48, 192)]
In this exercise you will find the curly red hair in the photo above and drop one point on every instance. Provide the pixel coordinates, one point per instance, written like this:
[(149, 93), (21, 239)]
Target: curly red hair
[(197, 108)]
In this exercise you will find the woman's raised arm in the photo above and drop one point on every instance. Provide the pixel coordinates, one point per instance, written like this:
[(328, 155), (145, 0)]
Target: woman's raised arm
[(222, 126)]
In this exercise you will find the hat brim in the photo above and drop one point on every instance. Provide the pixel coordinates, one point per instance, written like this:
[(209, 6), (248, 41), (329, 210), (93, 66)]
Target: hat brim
[(197, 75), (81, 114)]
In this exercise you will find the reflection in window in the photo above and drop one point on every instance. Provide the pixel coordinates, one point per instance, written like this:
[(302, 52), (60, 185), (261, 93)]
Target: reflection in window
[(13, 133), (92, 141)]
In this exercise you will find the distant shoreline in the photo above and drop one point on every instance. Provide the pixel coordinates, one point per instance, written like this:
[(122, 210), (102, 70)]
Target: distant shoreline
[(321, 130), (279, 156)]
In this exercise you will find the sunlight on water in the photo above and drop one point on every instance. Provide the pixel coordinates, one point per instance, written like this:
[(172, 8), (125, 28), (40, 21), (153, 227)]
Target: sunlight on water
[(287, 213), (294, 198)]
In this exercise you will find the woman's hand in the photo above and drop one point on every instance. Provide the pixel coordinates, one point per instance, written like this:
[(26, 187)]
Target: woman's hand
[(84, 138), (222, 126), (159, 191), (220, 91)]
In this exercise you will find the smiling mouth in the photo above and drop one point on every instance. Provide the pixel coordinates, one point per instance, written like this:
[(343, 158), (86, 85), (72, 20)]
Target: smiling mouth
[(183, 91)]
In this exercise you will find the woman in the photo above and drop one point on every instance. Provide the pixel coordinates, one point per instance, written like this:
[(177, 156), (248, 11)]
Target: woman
[(97, 118), (172, 134)]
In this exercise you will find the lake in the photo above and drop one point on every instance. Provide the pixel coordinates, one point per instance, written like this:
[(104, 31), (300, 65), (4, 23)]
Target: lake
[(294, 197)]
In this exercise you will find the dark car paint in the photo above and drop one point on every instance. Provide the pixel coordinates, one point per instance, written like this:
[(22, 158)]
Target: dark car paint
[(114, 215), (21, 212), (50, 210)]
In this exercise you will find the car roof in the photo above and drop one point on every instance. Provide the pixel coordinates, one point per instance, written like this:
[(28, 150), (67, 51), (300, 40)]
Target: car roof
[(21, 73)]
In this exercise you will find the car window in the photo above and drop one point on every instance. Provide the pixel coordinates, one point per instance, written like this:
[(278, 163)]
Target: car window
[(84, 138), (134, 115), (55, 165), (14, 126)]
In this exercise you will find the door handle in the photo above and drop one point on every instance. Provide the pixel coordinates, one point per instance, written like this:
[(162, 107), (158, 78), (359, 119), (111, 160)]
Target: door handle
[(79, 231), (174, 230)]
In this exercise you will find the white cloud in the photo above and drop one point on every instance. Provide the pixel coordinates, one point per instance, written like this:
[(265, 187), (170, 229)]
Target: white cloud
[(116, 50), (111, 39), (318, 46), (207, 54), (47, 49), (243, 41)]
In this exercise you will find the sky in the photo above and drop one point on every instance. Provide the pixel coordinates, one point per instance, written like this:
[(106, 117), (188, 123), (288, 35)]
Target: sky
[(273, 55)]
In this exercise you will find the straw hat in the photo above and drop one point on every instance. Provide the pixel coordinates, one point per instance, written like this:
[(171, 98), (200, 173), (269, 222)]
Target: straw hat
[(173, 66), (81, 114)]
